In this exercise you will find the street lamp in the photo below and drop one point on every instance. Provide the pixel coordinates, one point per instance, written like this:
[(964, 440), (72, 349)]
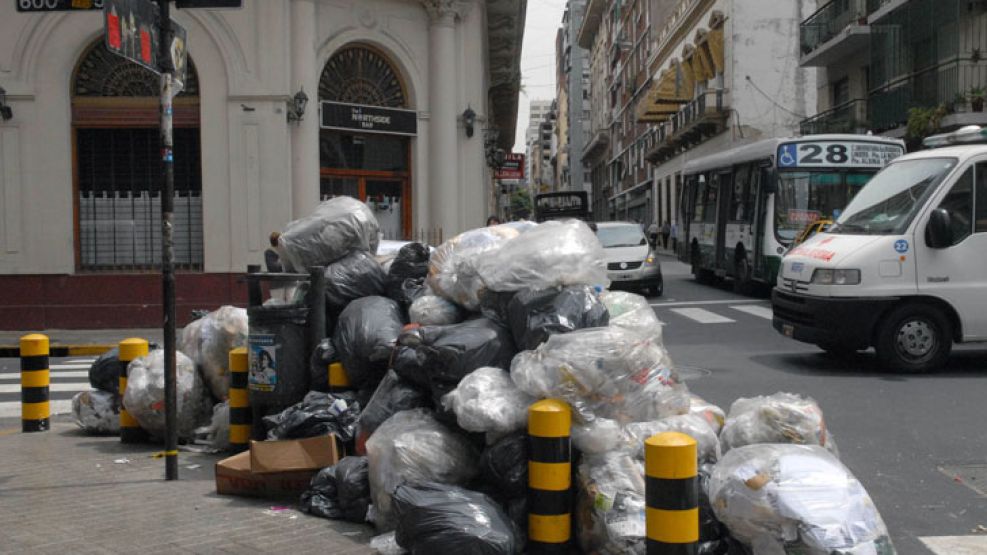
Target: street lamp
[(469, 120), (296, 109), (6, 113)]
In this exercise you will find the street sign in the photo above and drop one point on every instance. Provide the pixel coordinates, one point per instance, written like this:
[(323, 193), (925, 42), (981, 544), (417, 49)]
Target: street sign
[(132, 32), (513, 167), (57, 5), (368, 119), (183, 4)]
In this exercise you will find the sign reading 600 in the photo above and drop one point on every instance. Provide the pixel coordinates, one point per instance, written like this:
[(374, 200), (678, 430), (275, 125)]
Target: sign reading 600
[(58, 5)]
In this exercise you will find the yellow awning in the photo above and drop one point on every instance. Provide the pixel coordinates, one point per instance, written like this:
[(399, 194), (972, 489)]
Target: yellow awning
[(703, 60), (689, 63), (715, 41), (669, 88), (684, 82)]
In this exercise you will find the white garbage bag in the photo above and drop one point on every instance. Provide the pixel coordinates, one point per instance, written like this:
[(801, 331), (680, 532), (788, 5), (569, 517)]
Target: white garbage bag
[(144, 399), (208, 342), (611, 504), (778, 418), (712, 414), (452, 268), (486, 400), (633, 312), (432, 310), (97, 412), (707, 444)]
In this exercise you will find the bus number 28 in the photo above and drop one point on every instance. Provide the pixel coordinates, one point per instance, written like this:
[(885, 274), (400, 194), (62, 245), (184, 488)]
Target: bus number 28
[(835, 154)]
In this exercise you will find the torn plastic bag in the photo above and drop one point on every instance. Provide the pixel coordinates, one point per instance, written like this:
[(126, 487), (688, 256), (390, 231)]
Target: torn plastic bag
[(554, 253), (336, 227), (778, 418), (323, 355), (318, 414), (208, 342), (217, 434), (486, 400), (144, 398), (411, 263), (104, 374), (504, 465), (607, 372), (340, 492), (452, 271), (534, 315), (392, 396), (96, 412), (633, 312), (387, 544), (611, 504), (707, 444), (778, 494), (354, 276), (364, 337), (712, 414), (412, 446), (431, 310), (600, 435), (438, 518)]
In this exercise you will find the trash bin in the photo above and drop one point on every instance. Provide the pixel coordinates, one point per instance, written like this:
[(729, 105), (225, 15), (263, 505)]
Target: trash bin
[(283, 329)]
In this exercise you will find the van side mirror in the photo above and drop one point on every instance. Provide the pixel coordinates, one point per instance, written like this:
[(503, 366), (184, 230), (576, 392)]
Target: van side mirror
[(938, 234)]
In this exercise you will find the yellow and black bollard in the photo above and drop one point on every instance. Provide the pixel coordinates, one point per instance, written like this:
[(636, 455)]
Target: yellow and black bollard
[(672, 494), (130, 349), (239, 400), (35, 378), (549, 477), (339, 381)]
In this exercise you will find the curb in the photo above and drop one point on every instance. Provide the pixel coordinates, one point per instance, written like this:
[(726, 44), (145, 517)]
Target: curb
[(14, 351)]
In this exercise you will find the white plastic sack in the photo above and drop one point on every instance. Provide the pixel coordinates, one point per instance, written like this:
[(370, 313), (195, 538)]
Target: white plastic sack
[(97, 412), (217, 433), (336, 227), (413, 447), (431, 310), (607, 372), (778, 418), (486, 400), (208, 342), (602, 435), (712, 414), (554, 253), (707, 444), (612, 504), (778, 494), (144, 398), (452, 268), (633, 312)]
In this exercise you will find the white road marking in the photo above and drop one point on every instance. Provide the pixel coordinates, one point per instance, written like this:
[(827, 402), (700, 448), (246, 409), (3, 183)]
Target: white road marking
[(12, 409), (72, 386), (756, 310), (16, 376), (702, 316), (703, 303), (80, 361), (956, 545), (69, 366)]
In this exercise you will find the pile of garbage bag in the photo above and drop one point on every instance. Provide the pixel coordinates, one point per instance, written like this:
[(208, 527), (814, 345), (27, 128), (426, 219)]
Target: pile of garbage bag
[(365, 334), (208, 342), (486, 400), (334, 229), (536, 314), (144, 398)]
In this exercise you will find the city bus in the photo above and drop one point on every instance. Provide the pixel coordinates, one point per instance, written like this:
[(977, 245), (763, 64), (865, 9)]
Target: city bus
[(561, 205), (740, 210)]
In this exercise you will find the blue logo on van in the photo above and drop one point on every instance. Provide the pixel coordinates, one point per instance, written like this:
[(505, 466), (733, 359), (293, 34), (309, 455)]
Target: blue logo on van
[(798, 267), (901, 246)]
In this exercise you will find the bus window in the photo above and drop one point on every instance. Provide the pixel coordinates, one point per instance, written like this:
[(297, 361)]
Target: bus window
[(752, 188), (981, 198), (709, 199), (739, 206), (698, 196)]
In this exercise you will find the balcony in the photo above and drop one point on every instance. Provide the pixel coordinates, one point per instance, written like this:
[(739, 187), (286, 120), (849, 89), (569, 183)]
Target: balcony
[(697, 121), (849, 117), (837, 30), (888, 105), (876, 9)]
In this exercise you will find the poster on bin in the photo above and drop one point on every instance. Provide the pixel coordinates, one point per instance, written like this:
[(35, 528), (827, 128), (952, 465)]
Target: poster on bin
[(263, 362)]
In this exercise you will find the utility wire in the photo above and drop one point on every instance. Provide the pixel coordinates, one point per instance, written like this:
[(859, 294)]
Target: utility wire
[(772, 100)]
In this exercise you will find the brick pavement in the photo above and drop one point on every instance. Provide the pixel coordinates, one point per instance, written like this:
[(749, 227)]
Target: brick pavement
[(62, 492)]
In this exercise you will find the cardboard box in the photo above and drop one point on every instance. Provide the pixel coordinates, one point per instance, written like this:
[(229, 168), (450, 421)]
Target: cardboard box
[(275, 469)]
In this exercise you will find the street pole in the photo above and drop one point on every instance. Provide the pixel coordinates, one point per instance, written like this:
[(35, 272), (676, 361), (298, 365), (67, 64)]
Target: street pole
[(167, 247)]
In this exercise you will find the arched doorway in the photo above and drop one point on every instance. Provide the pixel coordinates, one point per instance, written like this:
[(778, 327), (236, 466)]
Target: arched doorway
[(372, 166), (117, 166)]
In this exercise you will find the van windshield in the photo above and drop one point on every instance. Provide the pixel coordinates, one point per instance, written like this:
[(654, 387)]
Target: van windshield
[(891, 199)]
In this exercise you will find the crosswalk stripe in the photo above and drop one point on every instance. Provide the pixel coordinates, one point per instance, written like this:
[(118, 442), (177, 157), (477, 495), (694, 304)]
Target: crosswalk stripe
[(54, 375), (80, 361), (704, 303), (12, 409), (756, 310), (69, 366), (702, 316), (956, 545), (72, 386)]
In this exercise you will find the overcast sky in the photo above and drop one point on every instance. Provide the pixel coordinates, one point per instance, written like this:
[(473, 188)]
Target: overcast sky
[(537, 59)]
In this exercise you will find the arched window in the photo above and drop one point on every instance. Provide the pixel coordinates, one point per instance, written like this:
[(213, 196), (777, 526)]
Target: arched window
[(115, 124)]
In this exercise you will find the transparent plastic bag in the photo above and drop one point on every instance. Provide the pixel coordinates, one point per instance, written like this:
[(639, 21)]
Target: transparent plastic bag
[(452, 268), (387, 544), (632, 312), (607, 372), (144, 398), (217, 434), (535, 314), (611, 504), (208, 342), (486, 400), (97, 412), (785, 494), (707, 444), (554, 253), (601, 435), (412, 446), (392, 396), (712, 414), (356, 275), (432, 310), (336, 227), (778, 418)]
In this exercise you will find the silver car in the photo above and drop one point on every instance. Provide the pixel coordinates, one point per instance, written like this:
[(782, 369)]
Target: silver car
[(630, 261)]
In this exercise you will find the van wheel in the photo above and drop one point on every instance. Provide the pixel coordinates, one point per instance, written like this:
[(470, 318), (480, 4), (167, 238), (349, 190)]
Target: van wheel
[(914, 338)]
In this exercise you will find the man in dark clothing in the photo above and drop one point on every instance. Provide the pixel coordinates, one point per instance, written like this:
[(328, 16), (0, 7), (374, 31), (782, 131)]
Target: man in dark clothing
[(271, 258), (666, 230)]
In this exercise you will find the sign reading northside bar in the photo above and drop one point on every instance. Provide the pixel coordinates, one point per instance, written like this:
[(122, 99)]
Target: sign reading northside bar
[(58, 5), (368, 119)]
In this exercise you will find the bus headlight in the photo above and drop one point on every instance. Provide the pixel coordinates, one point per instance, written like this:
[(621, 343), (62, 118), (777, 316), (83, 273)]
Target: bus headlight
[(836, 277)]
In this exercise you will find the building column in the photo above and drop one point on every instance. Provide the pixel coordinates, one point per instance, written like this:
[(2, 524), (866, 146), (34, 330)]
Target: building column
[(443, 190), (305, 133)]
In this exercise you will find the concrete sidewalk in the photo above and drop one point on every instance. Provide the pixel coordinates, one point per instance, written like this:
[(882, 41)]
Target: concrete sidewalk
[(64, 492)]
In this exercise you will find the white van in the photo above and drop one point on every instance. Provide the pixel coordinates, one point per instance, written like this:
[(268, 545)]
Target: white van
[(904, 269)]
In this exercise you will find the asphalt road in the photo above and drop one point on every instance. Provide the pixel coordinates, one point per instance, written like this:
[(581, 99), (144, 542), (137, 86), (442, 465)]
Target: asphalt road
[(917, 443)]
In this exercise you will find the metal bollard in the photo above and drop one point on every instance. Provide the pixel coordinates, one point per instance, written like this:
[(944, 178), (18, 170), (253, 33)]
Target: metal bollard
[(239, 400), (549, 477), (339, 381), (130, 349), (672, 494), (35, 378)]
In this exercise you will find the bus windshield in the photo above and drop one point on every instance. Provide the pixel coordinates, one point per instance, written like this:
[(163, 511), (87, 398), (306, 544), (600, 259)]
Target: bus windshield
[(890, 201), (805, 197)]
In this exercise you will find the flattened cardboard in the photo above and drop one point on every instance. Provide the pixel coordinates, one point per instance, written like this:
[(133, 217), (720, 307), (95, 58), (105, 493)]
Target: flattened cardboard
[(313, 453), (288, 467), (233, 477)]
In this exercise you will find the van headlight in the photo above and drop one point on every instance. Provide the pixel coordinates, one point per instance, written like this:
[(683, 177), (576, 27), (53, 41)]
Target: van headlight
[(836, 277)]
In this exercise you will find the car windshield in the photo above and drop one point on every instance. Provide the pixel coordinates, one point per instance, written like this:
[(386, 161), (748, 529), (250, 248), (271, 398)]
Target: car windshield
[(629, 235), (890, 201), (805, 197)]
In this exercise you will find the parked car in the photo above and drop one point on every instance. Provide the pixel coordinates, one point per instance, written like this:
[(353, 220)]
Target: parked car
[(631, 263)]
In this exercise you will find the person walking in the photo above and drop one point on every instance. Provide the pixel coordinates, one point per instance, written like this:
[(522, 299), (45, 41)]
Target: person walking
[(666, 230), (675, 237)]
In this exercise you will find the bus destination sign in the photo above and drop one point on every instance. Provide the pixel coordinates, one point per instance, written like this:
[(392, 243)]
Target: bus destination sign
[(827, 154)]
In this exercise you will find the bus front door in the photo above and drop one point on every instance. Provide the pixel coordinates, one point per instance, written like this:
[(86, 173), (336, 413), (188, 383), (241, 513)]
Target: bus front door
[(724, 181)]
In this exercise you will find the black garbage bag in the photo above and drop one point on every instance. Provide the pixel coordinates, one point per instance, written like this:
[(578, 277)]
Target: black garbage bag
[(438, 518), (365, 336), (407, 291), (318, 414), (534, 315), (409, 364), (504, 465), (449, 353), (494, 304), (104, 374), (407, 273), (393, 395), (354, 276), (323, 355), (340, 492)]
